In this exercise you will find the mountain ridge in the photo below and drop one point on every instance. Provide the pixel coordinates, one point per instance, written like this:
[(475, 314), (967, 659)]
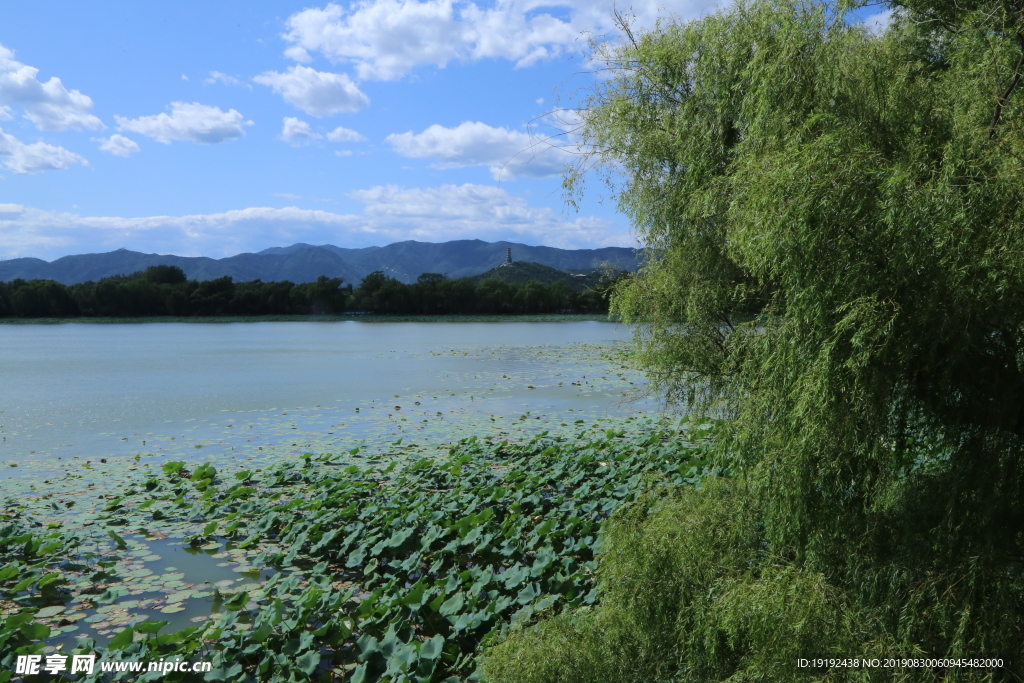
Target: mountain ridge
[(300, 262)]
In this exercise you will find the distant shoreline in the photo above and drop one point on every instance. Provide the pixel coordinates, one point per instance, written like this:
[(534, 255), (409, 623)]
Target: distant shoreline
[(541, 318)]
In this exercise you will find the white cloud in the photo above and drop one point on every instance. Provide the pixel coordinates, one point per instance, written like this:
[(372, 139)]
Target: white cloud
[(298, 54), (508, 153), (390, 214), (318, 93), (36, 157), (297, 132), (224, 79), (196, 122), (343, 153), (49, 105), (340, 134), (118, 145), (6, 113), (385, 39), (184, 77)]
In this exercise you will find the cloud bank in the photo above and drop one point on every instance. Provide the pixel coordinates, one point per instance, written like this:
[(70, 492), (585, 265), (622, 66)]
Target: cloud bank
[(508, 153), (390, 214), (385, 39)]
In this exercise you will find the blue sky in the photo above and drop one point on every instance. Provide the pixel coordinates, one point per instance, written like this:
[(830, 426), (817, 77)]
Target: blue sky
[(201, 128)]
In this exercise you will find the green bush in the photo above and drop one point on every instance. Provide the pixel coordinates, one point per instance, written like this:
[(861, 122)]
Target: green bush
[(691, 591), (834, 217)]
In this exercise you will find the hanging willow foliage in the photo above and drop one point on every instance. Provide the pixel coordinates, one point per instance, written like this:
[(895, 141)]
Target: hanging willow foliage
[(839, 221)]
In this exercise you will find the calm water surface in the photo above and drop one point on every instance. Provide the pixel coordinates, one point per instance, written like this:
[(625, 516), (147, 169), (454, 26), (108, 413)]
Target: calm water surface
[(244, 390)]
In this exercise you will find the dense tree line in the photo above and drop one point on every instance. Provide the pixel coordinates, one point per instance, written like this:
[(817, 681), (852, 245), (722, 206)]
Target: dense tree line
[(434, 294), (165, 291)]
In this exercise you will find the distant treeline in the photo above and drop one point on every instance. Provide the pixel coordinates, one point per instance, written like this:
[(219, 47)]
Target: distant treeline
[(165, 291)]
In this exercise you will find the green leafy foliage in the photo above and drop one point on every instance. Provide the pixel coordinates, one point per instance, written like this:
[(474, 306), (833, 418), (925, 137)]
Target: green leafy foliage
[(835, 216), (396, 574), (31, 567)]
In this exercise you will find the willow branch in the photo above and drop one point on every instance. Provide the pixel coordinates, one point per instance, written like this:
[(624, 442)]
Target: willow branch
[(1009, 90)]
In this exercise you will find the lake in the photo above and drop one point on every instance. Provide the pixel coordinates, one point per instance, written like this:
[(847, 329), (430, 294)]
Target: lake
[(87, 409), (243, 391)]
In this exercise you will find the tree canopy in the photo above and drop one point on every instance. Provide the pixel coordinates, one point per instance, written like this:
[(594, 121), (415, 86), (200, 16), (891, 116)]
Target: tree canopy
[(839, 225), (164, 291)]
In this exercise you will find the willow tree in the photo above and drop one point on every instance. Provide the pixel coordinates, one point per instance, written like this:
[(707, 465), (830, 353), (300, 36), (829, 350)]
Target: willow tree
[(838, 219)]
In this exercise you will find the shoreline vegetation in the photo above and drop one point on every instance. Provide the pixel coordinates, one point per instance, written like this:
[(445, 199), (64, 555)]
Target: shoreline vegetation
[(163, 291), (344, 317)]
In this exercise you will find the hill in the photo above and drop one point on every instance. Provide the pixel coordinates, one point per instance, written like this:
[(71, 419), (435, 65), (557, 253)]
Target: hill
[(404, 261), (523, 271)]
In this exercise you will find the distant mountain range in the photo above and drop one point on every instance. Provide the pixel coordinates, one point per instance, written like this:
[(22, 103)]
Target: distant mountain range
[(404, 261)]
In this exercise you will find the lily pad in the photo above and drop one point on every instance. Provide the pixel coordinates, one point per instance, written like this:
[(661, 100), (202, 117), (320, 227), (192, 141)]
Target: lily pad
[(172, 609), (50, 611)]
